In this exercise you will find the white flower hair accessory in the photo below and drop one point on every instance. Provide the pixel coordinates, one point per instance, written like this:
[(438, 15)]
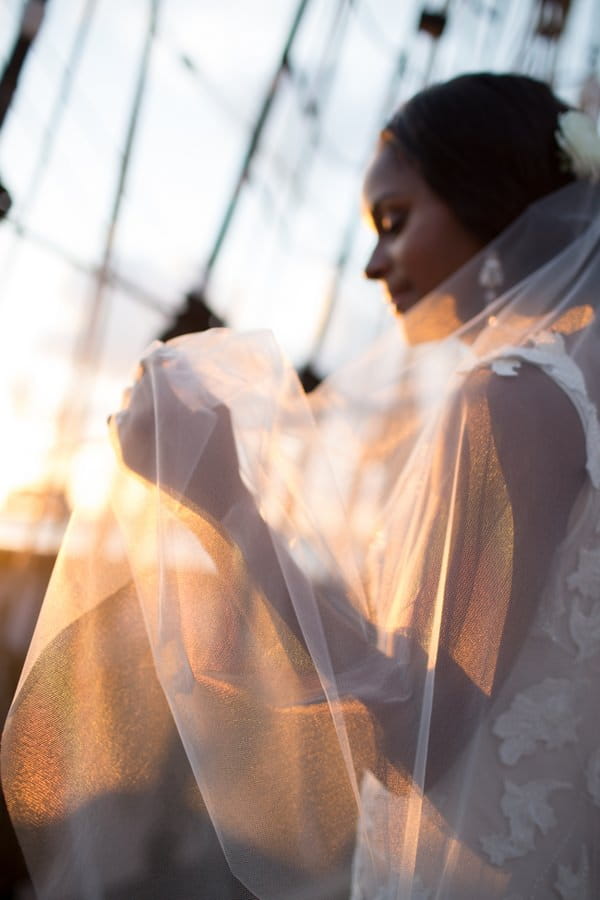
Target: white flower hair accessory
[(579, 141)]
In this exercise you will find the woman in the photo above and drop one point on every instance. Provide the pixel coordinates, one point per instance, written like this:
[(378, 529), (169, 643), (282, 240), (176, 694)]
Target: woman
[(366, 626)]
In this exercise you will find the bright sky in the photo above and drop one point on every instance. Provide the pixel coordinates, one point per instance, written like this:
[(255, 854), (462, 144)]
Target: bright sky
[(61, 146)]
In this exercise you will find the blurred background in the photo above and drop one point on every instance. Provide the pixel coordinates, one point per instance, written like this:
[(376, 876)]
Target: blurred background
[(168, 165)]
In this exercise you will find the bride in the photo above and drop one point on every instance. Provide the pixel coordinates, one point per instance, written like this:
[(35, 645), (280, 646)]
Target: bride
[(349, 645)]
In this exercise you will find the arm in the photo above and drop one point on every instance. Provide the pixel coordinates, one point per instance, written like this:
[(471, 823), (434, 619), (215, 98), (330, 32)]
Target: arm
[(522, 466)]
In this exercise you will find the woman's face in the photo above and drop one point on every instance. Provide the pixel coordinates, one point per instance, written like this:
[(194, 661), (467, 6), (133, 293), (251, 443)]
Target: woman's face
[(420, 242)]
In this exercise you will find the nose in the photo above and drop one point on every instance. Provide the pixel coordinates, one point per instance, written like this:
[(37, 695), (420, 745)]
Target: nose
[(377, 265)]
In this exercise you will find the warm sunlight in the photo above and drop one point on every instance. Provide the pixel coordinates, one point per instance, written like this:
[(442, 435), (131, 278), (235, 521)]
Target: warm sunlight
[(303, 604)]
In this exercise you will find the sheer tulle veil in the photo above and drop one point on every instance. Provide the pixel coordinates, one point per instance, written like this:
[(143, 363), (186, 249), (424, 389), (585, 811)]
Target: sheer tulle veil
[(345, 644)]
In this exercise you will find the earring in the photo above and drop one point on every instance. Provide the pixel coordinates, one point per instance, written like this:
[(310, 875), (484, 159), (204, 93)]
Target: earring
[(491, 277)]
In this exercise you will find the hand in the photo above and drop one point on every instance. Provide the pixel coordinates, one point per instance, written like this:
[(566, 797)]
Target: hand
[(175, 433)]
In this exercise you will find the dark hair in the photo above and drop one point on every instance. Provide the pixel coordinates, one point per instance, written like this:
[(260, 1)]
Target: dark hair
[(485, 144)]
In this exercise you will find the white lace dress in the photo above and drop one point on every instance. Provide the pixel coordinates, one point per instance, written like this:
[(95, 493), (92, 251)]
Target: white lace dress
[(516, 814)]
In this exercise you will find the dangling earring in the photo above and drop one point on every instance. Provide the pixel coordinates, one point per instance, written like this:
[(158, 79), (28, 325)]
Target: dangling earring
[(491, 277)]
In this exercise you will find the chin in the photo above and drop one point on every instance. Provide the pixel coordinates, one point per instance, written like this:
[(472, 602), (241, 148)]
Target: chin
[(402, 303)]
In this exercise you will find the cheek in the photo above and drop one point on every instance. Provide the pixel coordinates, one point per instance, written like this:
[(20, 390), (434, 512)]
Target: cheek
[(438, 248), (421, 252)]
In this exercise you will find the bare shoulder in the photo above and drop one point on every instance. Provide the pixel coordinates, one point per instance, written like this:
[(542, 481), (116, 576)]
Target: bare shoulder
[(530, 415)]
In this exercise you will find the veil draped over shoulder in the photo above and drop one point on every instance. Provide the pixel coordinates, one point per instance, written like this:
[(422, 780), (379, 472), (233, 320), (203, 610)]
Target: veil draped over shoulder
[(345, 645)]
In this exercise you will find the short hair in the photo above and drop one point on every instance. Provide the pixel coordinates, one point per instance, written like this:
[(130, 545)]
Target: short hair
[(485, 143)]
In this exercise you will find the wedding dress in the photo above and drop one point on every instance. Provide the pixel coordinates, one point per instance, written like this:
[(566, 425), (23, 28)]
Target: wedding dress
[(345, 645)]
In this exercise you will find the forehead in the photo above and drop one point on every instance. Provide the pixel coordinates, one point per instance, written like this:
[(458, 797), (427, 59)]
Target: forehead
[(391, 175)]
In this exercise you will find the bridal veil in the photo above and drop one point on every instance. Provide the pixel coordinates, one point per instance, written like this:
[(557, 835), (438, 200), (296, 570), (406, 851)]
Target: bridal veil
[(345, 644)]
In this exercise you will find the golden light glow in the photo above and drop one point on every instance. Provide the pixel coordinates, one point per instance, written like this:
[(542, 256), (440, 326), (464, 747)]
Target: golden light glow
[(89, 479)]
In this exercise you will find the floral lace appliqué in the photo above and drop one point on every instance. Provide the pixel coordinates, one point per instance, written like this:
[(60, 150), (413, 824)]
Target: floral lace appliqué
[(584, 627), (575, 885), (541, 714), (527, 810), (584, 616), (586, 578), (506, 366)]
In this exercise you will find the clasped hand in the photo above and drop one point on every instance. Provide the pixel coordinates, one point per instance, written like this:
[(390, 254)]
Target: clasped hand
[(175, 433)]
